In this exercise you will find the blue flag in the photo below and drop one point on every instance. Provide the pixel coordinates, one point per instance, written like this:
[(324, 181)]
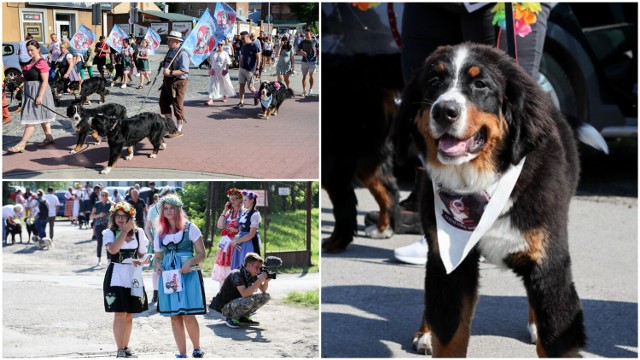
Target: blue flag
[(225, 18), (83, 39), (153, 39), (116, 38), (200, 42)]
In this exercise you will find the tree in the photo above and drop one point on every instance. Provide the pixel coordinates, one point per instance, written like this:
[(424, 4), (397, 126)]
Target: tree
[(306, 12)]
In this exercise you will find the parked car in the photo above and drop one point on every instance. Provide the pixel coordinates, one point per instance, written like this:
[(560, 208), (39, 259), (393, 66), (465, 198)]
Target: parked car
[(60, 195), (12, 191), (590, 64), (10, 57)]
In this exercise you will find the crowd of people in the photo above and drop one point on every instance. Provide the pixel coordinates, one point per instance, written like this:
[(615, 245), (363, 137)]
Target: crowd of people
[(129, 229), (252, 54)]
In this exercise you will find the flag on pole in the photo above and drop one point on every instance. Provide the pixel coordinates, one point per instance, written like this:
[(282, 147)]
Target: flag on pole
[(200, 42), (225, 18), (116, 38), (153, 39), (82, 40)]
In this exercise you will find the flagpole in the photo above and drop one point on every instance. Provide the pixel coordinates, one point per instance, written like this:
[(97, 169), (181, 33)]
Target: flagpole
[(156, 77)]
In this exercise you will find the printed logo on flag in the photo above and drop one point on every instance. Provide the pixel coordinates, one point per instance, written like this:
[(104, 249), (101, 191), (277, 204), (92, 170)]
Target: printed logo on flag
[(225, 19), (116, 38), (153, 39), (82, 40)]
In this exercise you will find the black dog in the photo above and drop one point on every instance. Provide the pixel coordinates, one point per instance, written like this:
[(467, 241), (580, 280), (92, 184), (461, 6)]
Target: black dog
[(82, 220), (57, 88), (95, 85), (360, 148), (31, 227), (13, 230), (128, 132), (14, 86), (82, 118), (272, 95)]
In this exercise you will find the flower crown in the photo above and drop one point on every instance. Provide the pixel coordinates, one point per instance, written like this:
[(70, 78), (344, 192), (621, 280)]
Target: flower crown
[(251, 195), (171, 199), (234, 192), (124, 207)]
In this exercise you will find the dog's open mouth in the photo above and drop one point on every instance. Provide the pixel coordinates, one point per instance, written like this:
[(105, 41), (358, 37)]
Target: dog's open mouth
[(452, 147)]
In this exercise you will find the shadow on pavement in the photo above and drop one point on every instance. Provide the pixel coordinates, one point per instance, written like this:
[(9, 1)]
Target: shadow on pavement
[(395, 315)]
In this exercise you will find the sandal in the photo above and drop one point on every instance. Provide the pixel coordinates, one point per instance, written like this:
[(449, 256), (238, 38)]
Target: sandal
[(46, 142), (239, 106), (16, 149), (140, 87)]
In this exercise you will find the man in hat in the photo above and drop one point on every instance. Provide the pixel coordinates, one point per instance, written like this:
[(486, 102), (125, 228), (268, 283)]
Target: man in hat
[(174, 84)]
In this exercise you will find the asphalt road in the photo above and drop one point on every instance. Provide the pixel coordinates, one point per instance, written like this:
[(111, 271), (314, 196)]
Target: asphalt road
[(219, 141), (52, 308), (372, 304)]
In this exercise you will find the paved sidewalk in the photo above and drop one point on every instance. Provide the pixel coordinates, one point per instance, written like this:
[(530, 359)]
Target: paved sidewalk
[(219, 141)]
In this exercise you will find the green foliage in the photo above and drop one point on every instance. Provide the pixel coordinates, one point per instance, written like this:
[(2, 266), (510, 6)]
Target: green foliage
[(306, 12), (309, 299)]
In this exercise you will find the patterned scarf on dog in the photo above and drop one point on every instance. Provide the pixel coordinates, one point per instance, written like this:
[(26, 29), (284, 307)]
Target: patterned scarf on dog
[(463, 219)]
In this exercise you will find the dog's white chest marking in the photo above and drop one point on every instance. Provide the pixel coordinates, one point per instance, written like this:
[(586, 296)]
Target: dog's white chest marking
[(500, 241)]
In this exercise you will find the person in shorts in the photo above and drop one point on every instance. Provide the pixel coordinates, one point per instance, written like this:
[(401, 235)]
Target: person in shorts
[(308, 49), (250, 56)]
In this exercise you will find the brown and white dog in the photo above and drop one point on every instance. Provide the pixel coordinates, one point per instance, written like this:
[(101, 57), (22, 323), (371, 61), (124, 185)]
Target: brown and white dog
[(473, 115)]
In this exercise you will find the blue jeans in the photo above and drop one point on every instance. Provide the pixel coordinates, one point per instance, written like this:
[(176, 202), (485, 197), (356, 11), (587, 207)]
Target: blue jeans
[(41, 225)]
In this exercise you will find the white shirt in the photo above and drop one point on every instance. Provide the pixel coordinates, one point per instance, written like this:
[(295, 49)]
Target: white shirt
[(53, 203), (194, 234), (7, 212), (108, 237)]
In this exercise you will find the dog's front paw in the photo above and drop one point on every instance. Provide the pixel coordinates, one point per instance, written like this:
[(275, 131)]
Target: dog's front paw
[(73, 151), (128, 157), (105, 170), (153, 156), (422, 343), (373, 232), (533, 331), (163, 146)]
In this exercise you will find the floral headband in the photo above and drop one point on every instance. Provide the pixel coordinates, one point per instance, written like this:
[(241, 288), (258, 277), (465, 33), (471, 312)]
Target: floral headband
[(251, 195), (124, 207), (234, 192), (171, 199)]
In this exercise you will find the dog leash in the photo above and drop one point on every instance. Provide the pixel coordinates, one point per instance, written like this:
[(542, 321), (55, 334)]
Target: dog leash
[(156, 77), (43, 105)]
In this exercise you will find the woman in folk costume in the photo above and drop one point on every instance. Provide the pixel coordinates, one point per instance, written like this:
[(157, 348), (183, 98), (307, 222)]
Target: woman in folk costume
[(220, 85), (228, 222), (181, 290), (248, 240), (123, 286)]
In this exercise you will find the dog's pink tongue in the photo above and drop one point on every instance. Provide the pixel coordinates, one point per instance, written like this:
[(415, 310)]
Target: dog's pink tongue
[(451, 146)]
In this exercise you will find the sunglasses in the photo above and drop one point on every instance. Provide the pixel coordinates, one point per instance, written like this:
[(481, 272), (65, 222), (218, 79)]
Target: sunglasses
[(121, 217)]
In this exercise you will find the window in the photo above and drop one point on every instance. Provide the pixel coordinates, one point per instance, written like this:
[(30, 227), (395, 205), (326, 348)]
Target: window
[(7, 50), (200, 12)]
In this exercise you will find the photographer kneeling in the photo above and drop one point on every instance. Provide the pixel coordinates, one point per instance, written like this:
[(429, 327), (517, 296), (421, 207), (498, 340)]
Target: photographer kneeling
[(236, 299)]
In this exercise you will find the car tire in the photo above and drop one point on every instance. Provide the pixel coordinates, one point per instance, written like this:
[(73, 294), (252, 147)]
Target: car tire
[(12, 74), (556, 82)]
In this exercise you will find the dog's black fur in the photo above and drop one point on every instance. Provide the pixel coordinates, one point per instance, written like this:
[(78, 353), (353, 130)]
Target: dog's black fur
[(359, 147), (82, 118), (278, 96), (13, 230), (29, 224), (57, 88), (95, 85), (127, 132), (13, 87), (508, 117), (82, 220)]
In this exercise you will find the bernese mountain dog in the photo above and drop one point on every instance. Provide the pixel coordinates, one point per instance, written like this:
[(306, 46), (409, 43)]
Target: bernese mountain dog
[(127, 132), (475, 116), (82, 118), (272, 95), (94, 85)]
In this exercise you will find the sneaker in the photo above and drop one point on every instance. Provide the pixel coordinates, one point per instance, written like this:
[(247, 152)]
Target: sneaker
[(309, 93), (247, 321), (232, 323), (408, 221), (137, 75), (197, 353), (128, 353), (174, 134), (239, 106), (124, 86), (121, 354), (415, 253), (181, 356), (255, 101)]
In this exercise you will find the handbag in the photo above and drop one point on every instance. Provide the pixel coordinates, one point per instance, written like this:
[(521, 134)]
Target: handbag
[(212, 72)]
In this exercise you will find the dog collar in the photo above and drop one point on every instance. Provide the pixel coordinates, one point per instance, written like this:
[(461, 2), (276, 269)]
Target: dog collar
[(463, 219), (267, 102)]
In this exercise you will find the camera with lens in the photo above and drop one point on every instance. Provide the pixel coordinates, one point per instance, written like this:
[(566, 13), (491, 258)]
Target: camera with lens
[(270, 262)]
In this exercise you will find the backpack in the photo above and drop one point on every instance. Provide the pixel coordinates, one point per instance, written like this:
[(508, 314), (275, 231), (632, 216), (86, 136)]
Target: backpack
[(44, 209)]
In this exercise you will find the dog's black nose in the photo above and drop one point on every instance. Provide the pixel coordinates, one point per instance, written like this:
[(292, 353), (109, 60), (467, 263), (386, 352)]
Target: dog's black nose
[(446, 112)]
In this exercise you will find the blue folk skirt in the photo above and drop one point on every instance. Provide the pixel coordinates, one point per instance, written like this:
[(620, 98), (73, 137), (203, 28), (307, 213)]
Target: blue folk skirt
[(189, 301)]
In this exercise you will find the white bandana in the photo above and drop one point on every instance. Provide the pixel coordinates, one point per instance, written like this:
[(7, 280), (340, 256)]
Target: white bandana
[(463, 219)]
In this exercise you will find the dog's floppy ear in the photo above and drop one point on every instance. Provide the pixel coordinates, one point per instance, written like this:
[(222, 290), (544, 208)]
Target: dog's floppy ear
[(402, 129), (525, 110)]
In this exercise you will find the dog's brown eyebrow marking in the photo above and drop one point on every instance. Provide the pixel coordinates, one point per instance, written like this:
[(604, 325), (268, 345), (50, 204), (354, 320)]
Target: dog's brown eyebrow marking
[(474, 71), (440, 68)]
